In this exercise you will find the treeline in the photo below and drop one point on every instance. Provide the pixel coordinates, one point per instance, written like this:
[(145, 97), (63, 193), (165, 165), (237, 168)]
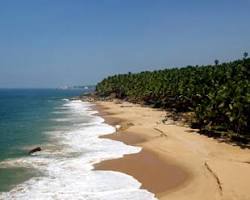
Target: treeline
[(218, 95)]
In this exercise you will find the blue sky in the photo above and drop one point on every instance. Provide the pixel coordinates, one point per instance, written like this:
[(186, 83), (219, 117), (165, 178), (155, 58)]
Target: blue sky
[(51, 43)]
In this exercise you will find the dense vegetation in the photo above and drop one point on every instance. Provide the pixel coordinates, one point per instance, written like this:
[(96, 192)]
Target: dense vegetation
[(218, 95)]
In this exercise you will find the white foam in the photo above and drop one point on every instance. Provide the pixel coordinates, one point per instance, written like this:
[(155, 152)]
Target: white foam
[(68, 169), (61, 119)]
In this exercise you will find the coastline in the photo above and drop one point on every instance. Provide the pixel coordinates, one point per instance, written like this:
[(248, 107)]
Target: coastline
[(175, 162), (157, 174), (66, 163), (154, 173)]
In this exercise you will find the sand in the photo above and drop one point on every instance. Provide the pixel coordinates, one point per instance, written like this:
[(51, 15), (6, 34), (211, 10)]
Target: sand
[(147, 167), (176, 163)]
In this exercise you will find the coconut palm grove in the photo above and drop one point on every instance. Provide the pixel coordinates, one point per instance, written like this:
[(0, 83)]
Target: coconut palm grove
[(218, 96)]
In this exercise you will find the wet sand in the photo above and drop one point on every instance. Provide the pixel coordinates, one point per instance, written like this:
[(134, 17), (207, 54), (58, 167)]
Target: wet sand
[(176, 162), (155, 173)]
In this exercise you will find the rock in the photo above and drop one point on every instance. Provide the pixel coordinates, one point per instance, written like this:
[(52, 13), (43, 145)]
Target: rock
[(35, 150)]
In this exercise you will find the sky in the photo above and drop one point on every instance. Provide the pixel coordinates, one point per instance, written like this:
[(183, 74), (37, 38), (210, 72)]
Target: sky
[(54, 43)]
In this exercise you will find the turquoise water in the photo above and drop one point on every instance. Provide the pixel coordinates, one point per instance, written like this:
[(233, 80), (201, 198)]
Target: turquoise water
[(68, 132), (25, 114)]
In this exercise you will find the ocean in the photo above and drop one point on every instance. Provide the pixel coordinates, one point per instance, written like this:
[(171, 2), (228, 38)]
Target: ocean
[(68, 132)]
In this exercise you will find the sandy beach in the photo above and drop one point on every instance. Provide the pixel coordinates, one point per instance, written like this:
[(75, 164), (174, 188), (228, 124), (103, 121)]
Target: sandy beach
[(176, 163)]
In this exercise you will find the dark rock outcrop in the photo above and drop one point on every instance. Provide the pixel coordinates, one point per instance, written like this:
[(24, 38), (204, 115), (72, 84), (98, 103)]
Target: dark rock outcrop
[(35, 150)]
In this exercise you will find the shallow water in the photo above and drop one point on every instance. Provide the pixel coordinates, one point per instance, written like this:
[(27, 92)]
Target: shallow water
[(64, 168), (12, 176)]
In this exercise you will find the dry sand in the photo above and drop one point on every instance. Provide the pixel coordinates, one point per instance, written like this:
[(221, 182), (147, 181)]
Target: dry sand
[(176, 163)]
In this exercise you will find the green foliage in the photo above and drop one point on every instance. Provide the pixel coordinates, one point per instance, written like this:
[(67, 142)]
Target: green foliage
[(219, 95)]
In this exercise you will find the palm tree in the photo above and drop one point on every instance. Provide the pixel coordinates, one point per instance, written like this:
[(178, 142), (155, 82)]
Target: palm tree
[(215, 94), (245, 54)]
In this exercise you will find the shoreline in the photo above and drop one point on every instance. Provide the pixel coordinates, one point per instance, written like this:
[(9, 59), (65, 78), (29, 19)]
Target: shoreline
[(156, 173), (203, 168)]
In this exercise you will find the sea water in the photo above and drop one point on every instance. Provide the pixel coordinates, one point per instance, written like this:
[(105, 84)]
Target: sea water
[(68, 132)]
